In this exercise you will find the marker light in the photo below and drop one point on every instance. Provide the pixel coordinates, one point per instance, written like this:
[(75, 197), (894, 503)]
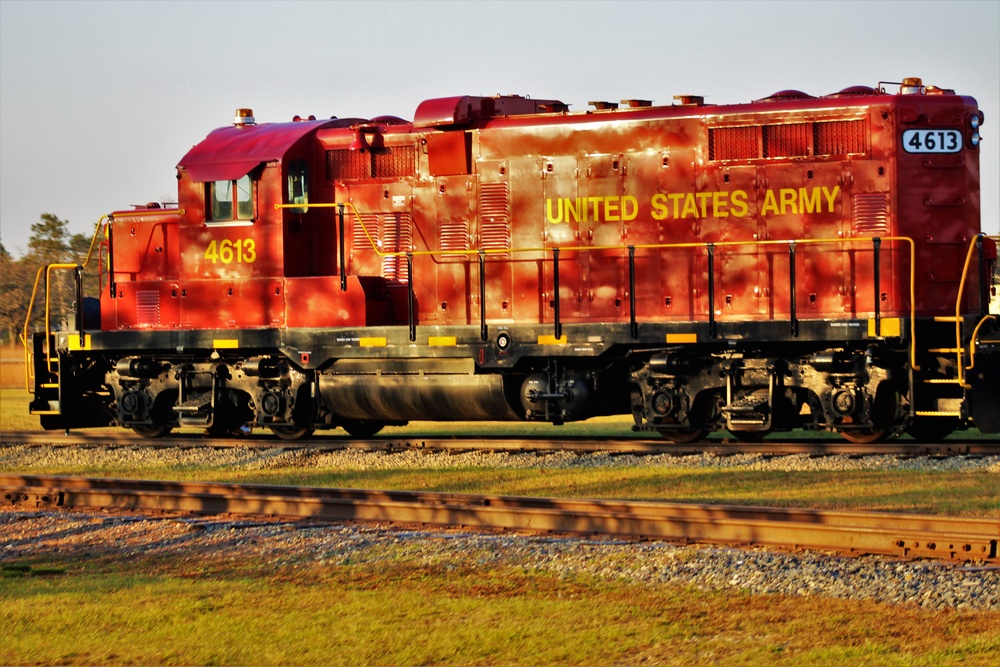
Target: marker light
[(912, 86), (974, 122), (244, 117)]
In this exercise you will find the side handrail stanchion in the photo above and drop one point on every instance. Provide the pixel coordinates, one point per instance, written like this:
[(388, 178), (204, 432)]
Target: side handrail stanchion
[(409, 297), (710, 246), (633, 325), (342, 254), (877, 283), (711, 290), (555, 288), (483, 330), (793, 303)]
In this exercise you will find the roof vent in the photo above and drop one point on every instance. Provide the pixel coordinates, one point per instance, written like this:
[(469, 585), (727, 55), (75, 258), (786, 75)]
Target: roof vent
[(689, 100), (602, 106), (244, 117), (783, 95), (854, 91), (635, 104)]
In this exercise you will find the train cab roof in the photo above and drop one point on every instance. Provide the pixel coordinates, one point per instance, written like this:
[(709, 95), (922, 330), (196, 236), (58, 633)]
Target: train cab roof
[(229, 153)]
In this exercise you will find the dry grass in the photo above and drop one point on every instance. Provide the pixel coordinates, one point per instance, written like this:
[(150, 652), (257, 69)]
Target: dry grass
[(212, 611), (11, 367)]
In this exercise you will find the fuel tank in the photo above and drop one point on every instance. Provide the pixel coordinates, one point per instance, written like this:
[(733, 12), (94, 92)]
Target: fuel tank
[(414, 389)]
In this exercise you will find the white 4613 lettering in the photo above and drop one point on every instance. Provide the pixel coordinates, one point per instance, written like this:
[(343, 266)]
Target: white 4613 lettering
[(932, 141)]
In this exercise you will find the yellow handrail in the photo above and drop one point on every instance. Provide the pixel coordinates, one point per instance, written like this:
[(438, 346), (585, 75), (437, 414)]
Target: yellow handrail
[(972, 344), (958, 318), (28, 365), (638, 246)]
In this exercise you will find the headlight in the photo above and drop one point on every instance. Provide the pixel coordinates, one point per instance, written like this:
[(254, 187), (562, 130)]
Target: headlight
[(974, 122), (974, 139)]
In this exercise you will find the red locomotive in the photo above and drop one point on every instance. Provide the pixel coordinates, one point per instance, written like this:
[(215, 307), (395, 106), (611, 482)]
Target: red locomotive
[(794, 262)]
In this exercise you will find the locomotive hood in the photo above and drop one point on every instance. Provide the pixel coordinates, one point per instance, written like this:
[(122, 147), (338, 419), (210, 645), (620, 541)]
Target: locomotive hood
[(231, 152)]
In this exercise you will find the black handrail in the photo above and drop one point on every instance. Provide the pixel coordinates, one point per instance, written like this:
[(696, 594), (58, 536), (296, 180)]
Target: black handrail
[(877, 283), (483, 329), (711, 290), (111, 259), (343, 253), (555, 287), (79, 303), (409, 296), (633, 325), (792, 312)]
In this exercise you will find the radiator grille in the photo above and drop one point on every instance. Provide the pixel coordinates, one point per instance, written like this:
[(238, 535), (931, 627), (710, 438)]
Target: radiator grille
[(819, 139), (147, 307), (343, 164), (494, 219), (395, 162), (871, 214), (844, 137), (733, 143), (793, 140)]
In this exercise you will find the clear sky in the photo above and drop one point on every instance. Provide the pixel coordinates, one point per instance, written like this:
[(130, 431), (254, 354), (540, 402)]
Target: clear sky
[(100, 100)]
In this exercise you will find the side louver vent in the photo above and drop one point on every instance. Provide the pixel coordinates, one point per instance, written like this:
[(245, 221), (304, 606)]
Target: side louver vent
[(494, 218), (871, 214)]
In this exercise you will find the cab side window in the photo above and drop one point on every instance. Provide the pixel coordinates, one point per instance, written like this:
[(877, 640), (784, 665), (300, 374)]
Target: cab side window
[(230, 200), (298, 184)]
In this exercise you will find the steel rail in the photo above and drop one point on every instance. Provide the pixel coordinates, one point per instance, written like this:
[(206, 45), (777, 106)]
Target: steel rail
[(847, 532), (500, 443)]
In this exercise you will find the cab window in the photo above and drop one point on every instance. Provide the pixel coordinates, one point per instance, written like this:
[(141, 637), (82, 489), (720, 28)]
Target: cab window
[(298, 184), (230, 200)]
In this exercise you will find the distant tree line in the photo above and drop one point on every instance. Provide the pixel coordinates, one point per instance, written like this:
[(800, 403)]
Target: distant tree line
[(50, 243)]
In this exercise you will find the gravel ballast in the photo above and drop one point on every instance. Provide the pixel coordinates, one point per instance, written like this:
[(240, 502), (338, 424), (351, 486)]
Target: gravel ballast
[(78, 535), (32, 534), (25, 457)]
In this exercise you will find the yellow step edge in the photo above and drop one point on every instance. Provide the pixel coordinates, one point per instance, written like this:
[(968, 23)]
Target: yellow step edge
[(946, 350), (920, 413), (952, 318), (940, 381)]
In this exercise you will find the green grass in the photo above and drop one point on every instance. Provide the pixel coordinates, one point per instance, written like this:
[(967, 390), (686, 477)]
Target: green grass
[(973, 493), (210, 612)]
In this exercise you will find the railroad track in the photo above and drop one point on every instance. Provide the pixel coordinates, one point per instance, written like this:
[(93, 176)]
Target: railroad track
[(852, 533), (503, 443)]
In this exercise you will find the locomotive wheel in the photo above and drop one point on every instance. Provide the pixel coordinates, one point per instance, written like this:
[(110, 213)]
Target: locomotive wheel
[(292, 432), (865, 436), (362, 428), (931, 429), (683, 437), (152, 431)]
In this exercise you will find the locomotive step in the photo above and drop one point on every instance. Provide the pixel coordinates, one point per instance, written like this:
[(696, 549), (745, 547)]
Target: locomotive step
[(194, 404)]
